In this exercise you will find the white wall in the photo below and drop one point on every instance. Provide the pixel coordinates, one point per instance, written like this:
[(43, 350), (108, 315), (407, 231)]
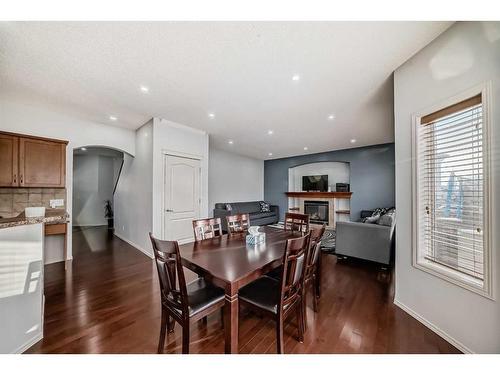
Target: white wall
[(233, 178), (93, 184), (462, 57), (25, 117), (133, 199), (170, 137)]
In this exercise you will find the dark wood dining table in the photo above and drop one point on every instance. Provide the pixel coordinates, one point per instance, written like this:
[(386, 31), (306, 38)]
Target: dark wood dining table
[(228, 262)]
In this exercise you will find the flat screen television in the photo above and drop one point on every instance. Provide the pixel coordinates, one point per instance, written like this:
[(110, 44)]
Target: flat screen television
[(315, 183)]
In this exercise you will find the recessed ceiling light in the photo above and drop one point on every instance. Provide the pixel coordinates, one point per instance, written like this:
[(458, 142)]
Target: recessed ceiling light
[(305, 149), (145, 89), (83, 149), (113, 118), (230, 142), (353, 140), (211, 115), (270, 132), (331, 117), (295, 77), (270, 154)]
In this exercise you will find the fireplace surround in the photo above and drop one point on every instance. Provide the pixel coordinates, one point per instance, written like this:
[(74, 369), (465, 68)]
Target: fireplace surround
[(317, 211)]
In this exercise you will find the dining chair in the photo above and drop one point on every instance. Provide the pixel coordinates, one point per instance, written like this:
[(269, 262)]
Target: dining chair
[(207, 228), (296, 222), (280, 298), (313, 269), (185, 303), (238, 223)]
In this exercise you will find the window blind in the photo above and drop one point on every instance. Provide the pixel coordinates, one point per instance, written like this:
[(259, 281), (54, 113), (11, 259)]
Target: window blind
[(451, 186)]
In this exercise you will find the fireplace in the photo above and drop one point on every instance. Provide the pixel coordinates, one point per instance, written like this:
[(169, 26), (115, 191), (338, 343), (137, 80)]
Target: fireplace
[(317, 211)]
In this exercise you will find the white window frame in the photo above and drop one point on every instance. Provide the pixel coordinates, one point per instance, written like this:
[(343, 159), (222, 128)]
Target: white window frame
[(429, 266)]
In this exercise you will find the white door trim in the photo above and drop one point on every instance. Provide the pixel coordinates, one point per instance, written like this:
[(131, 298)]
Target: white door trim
[(166, 153), (181, 154)]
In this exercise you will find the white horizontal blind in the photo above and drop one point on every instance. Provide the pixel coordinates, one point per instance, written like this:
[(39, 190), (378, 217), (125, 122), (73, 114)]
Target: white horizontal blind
[(450, 188)]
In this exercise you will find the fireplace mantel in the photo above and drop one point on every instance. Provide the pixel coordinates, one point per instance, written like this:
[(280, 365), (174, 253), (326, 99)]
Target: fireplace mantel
[(318, 194)]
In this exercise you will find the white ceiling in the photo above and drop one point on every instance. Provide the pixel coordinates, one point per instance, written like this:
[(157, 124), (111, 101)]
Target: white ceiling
[(240, 71)]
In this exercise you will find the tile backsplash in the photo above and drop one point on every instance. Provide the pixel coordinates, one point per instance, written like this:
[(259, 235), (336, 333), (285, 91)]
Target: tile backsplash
[(13, 201)]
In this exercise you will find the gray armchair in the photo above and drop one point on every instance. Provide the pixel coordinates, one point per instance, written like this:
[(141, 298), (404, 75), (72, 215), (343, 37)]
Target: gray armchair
[(366, 241)]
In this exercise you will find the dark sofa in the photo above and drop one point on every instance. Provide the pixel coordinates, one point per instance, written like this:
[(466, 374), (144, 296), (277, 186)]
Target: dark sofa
[(251, 208)]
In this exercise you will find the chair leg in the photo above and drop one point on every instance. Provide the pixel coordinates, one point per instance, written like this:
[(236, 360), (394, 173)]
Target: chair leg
[(163, 328), (185, 338), (170, 323), (317, 280), (222, 317), (300, 322), (279, 337), (315, 295), (303, 306)]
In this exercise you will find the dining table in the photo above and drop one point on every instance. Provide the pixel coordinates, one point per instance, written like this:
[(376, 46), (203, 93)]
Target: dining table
[(229, 262)]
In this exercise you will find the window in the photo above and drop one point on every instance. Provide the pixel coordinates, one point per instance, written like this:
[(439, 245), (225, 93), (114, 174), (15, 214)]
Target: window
[(450, 208)]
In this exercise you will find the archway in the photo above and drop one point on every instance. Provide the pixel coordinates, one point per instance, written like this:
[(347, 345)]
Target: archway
[(96, 171)]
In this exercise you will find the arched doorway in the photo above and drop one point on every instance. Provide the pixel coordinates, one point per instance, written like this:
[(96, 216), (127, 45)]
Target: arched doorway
[(96, 171)]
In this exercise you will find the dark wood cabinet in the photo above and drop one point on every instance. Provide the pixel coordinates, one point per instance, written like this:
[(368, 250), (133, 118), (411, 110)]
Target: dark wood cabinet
[(32, 162), (41, 163), (9, 151)]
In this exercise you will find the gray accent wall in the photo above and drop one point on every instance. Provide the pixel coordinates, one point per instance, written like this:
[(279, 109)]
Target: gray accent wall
[(372, 176)]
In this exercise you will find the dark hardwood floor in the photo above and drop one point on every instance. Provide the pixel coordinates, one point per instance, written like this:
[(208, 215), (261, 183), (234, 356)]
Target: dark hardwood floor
[(107, 301)]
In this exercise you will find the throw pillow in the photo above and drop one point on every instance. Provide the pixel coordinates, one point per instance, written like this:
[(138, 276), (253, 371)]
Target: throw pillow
[(228, 207), (264, 207), (372, 219), (387, 219)]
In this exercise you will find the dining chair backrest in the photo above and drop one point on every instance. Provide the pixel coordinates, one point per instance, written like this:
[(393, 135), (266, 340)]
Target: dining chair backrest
[(207, 228), (169, 267), (294, 265), (314, 250), (296, 222), (317, 233), (238, 223)]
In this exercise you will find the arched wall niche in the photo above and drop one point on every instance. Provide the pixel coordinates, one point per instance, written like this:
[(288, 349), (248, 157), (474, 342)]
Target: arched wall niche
[(337, 171)]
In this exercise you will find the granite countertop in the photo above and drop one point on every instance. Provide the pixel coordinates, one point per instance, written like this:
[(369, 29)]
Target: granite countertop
[(52, 216)]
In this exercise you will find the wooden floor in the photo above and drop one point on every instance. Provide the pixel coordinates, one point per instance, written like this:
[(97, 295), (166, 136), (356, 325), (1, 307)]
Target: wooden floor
[(108, 302)]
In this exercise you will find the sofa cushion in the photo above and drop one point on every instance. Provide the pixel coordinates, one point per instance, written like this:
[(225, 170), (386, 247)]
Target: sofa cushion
[(387, 219), (372, 219), (375, 216), (246, 207), (260, 215)]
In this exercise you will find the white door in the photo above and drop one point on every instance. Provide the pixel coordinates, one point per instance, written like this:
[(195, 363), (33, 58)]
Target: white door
[(182, 197)]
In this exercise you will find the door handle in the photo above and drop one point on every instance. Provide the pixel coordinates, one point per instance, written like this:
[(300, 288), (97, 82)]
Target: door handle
[(21, 176), (15, 178), (168, 210)]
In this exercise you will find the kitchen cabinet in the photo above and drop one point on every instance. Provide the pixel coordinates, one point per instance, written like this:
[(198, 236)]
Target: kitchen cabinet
[(9, 151), (27, 161)]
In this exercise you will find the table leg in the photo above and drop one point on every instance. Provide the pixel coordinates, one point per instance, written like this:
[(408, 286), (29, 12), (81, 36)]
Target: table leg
[(231, 323)]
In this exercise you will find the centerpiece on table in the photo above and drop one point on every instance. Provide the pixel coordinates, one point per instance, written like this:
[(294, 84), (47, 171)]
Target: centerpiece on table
[(255, 237)]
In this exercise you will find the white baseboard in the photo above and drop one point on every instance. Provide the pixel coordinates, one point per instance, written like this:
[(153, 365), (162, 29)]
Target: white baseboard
[(29, 344), (432, 327), (142, 250)]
